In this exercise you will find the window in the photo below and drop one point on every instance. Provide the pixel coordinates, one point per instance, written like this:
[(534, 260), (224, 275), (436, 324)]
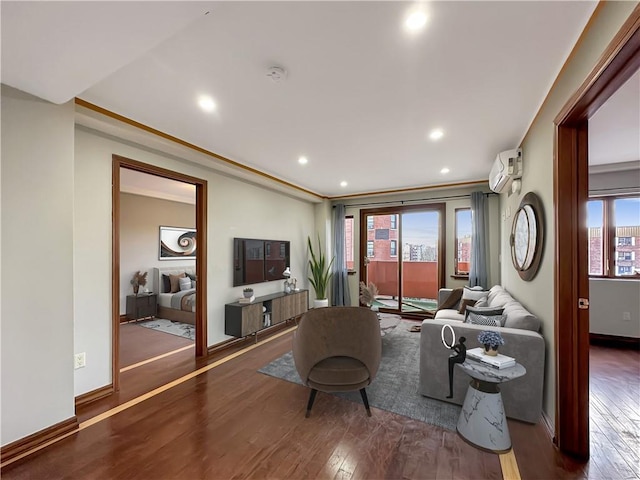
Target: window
[(614, 233), (369, 249), (394, 222), (370, 222), (463, 241), (393, 249), (348, 243)]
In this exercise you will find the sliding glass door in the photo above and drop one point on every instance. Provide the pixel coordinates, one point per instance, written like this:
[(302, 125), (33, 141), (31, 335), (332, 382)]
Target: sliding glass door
[(402, 248)]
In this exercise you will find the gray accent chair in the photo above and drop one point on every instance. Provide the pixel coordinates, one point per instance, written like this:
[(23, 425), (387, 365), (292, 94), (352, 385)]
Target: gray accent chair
[(337, 349)]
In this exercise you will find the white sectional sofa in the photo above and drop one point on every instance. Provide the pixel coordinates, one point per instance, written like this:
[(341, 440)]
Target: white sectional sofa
[(522, 397)]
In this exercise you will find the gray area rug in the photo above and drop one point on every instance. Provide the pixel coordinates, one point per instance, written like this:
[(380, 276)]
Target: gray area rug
[(169, 326), (395, 387)]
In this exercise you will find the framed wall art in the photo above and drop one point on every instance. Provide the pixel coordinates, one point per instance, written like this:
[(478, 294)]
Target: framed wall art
[(177, 243)]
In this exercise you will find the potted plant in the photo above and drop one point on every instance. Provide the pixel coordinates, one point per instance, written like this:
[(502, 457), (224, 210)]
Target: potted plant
[(491, 341), (247, 292), (320, 274), (138, 280)]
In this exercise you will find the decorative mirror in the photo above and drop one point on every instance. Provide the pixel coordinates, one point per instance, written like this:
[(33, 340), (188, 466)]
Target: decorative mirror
[(527, 237)]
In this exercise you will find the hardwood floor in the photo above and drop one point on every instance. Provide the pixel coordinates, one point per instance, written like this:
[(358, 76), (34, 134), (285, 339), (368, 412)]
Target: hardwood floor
[(233, 422), (140, 343)]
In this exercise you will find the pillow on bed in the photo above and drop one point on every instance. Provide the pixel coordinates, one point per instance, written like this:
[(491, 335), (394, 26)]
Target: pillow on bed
[(166, 284), (192, 276), (193, 284), (185, 283), (175, 282)]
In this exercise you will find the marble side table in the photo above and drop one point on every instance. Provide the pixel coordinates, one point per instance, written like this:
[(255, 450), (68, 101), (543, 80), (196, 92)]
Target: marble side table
[(482, 421)]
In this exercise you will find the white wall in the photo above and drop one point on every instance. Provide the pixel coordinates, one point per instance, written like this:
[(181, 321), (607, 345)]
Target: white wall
[(431, 196), (140, 220), (235, 209), (538, 294), (37, 264), (610, 298)]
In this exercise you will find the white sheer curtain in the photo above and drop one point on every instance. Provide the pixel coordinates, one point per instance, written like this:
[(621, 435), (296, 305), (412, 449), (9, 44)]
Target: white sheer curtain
[(478, 269), (339, 281)]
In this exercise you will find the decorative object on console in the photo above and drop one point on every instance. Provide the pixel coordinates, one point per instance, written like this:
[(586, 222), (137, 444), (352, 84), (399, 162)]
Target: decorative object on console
[(247, 292), (491, 341), (138, 280), (320, 274), (289, 283), (177, 243), (527, 237)]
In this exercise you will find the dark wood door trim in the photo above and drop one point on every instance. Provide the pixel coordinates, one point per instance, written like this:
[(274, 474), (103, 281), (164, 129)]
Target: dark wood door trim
[(201, 254), (617, 64)]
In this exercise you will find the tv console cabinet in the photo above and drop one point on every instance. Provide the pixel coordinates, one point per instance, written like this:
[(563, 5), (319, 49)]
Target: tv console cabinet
[(243, 319)]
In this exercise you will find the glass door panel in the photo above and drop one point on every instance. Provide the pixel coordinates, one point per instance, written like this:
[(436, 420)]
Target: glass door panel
[(381, 261), (420, 270)]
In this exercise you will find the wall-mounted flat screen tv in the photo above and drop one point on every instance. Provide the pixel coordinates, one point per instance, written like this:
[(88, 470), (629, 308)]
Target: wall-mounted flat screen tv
[(256, 261)]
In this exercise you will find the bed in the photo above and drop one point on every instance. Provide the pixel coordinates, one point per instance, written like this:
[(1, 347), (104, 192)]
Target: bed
[(175, 303)]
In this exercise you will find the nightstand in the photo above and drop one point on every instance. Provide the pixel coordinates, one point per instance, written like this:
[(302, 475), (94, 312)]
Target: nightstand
[(143, 305)]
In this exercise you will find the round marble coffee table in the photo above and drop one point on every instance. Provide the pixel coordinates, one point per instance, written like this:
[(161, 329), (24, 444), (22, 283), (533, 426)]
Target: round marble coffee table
[(482, 421)]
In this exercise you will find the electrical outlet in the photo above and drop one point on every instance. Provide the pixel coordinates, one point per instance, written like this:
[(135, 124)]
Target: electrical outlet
[(626, 316), (79, 360)]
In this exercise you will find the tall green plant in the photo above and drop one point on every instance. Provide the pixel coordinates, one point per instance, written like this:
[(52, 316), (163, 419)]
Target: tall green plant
[(320, 271)]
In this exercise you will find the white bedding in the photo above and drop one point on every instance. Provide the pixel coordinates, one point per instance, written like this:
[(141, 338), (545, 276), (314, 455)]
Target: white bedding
[(164, 299)]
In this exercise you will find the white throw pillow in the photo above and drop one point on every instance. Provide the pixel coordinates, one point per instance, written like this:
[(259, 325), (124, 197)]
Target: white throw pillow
[(185, 283), (475, 293)]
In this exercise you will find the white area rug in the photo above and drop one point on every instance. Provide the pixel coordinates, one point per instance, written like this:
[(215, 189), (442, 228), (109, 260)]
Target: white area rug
[(169, 326)]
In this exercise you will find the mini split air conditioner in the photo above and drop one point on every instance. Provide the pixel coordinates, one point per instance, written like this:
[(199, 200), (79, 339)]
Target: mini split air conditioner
[(506, 168)]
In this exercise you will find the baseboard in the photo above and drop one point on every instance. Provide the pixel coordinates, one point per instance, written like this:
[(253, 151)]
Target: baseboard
[(14, 449), (239, 342), (614, 341), (94, 395), (548, 426)]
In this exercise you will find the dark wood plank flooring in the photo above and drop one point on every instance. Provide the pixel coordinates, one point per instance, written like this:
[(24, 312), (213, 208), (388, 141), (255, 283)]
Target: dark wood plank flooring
[(140, 343), (614, 425), (233, 422)]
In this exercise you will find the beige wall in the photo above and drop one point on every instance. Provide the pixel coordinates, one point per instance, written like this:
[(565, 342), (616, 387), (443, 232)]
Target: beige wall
[(140, 219), (235, 209), (37, 264), (538, 294)]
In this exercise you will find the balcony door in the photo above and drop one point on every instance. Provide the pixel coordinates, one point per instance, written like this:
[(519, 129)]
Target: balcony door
[(402, 250)]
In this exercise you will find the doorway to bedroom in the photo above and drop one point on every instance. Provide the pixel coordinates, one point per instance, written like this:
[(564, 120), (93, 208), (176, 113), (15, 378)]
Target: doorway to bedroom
[(159, 221)]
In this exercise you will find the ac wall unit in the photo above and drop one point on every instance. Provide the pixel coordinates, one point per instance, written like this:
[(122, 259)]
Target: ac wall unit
[(506, 168)]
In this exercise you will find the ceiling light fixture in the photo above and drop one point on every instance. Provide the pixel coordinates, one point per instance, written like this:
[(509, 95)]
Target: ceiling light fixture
[(343, 184), (444, 171), (415, 21), (436, 134), (303, 160), (206, 103)]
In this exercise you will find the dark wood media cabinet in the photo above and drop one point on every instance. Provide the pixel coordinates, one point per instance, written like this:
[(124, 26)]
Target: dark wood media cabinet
[(242, 319)]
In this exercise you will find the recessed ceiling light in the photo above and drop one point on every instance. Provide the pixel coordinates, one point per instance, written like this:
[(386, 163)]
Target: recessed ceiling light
[(303, 160), (206, 103), (436, 134), (415, 21), (445, 170), (343, 184)]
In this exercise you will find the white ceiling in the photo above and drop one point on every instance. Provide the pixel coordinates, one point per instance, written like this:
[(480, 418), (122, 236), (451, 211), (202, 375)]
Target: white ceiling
[(140, 183), (360, 98)]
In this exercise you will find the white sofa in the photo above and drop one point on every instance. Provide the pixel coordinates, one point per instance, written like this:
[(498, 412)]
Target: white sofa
[(522, 397)]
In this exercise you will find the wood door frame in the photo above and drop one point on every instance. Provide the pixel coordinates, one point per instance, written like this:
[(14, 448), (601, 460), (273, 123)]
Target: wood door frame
[(617, 64), (441, 208), (119, 162)]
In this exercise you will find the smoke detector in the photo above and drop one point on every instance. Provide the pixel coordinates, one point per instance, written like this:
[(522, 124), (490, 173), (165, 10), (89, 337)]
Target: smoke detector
[(277, 74)]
